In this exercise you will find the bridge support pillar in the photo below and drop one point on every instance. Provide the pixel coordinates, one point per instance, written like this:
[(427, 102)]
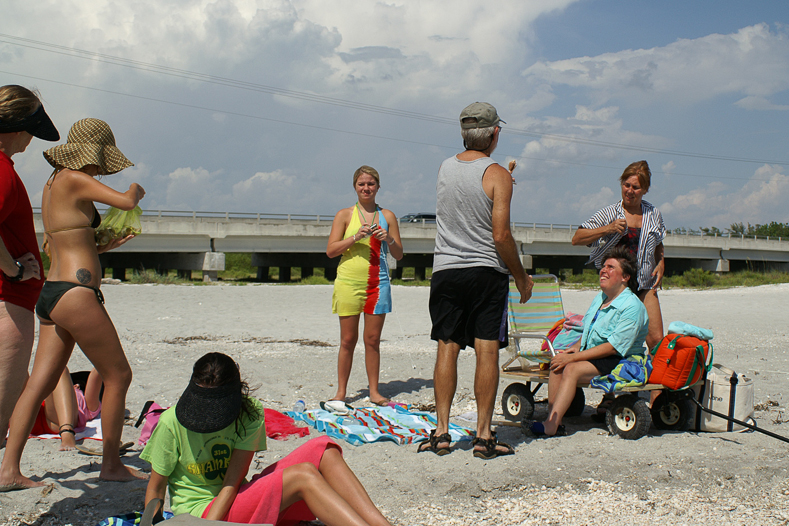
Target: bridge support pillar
[(284, 274), (263, 274), (119, 273), (306, 272), (330, 273), (712, 265)]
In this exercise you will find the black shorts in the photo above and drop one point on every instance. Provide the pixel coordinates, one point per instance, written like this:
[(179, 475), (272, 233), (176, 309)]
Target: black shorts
[(469, 303), (606, 364)]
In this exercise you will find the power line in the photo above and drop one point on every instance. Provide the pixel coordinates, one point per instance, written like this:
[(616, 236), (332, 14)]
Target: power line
[(312, 97), (359, 134)]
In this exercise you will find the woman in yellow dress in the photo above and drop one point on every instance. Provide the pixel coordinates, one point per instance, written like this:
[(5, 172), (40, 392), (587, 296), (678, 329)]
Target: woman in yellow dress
[(363, 234)]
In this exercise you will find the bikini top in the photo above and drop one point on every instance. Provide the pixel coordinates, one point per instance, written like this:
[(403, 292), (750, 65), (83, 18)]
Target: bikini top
[(95, 222)]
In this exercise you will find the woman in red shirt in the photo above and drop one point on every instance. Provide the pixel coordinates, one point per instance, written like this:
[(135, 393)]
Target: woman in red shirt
[(22, 117)]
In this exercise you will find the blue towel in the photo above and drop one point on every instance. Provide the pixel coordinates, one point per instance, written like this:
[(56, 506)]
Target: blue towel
[(632, 371), (367, 424)]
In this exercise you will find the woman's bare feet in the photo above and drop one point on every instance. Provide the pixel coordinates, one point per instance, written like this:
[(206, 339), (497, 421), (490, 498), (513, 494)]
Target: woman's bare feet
[(17, 481), (68, 438), (121, 473)]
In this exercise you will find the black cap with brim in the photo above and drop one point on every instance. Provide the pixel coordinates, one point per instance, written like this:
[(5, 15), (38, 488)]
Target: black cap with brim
[(38, 125), (209, 409)]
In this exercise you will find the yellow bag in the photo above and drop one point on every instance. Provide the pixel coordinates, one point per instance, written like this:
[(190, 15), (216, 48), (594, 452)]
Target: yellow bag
[(117, 224)]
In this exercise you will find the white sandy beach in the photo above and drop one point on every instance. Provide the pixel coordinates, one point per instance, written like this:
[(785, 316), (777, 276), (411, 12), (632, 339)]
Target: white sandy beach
[(285, 339)]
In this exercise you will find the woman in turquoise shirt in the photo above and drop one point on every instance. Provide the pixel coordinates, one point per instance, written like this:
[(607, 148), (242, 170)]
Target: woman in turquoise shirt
[(615, 327)]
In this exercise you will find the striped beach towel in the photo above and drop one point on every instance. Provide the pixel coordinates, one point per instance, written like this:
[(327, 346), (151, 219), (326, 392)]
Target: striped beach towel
[(367, 424)]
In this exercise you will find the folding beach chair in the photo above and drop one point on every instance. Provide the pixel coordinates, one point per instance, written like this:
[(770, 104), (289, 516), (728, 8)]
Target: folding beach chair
[(533, 319)]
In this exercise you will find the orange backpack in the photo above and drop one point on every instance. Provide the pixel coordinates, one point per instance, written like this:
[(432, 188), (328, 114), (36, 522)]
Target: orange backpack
[(679, 361)]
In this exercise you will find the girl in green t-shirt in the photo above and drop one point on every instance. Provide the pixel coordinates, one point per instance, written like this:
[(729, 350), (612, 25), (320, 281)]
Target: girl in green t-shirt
[(201, 450)]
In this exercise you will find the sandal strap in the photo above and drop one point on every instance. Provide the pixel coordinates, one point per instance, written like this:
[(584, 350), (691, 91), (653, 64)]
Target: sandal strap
[(435, 439)]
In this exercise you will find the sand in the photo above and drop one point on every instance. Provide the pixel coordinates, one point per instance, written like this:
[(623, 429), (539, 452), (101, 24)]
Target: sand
[(285, 340)]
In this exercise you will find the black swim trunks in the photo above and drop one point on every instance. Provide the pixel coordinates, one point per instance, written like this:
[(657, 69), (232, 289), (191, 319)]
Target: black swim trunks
[(469, 303)]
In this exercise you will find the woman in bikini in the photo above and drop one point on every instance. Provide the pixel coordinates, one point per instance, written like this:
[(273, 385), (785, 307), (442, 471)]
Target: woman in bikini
[(70, 307), (363, 234)]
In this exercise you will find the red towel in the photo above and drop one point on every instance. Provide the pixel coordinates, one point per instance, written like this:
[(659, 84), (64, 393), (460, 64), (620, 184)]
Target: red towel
[(279, 426)]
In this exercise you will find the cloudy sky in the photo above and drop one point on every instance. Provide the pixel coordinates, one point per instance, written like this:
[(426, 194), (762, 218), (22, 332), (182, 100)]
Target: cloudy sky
[(270, 105)]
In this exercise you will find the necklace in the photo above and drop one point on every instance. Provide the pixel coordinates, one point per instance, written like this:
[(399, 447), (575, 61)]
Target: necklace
[(361, 215)]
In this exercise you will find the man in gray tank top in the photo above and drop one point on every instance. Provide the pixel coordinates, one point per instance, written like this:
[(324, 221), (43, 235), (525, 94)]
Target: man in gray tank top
[(474, 256)]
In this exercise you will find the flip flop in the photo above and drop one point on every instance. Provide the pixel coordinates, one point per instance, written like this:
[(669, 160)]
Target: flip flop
[(338, 407), (97, 452), (383, 402)]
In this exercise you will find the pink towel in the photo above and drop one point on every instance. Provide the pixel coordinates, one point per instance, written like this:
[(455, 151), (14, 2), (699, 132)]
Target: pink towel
[(258, 501)]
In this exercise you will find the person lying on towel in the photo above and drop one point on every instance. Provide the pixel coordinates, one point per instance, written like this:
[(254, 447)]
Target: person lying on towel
[(615, 327), (201, 450), (67, 410)]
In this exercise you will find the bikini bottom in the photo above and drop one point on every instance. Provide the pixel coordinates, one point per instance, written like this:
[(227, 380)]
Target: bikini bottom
[(53, 291)]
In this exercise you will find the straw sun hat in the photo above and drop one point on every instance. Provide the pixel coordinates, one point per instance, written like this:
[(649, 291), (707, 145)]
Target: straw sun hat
[(90, 141)]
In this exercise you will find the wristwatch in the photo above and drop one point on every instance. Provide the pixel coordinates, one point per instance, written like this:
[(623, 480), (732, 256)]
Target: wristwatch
[(19, 274)]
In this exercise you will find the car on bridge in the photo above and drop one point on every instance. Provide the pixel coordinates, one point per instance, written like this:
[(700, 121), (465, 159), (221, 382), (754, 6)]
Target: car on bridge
[(425, 218)]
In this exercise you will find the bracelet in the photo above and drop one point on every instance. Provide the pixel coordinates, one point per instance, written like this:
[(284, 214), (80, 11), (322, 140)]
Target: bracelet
[(19, 274)]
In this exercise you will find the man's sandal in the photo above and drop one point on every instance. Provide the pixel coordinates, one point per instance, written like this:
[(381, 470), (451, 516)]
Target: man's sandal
[(491, 450), (433, 442)]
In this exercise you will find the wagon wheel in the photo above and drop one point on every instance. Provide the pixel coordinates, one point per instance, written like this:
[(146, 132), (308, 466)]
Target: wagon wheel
[(578, 404), (628, 417), (517, 402), (672, 412)]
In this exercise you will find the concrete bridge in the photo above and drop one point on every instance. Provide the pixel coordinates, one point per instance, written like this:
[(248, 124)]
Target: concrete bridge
[(188, 241)]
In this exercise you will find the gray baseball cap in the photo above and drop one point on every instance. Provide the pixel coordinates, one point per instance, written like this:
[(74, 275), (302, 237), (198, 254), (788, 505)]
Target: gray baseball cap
[(479, 115)]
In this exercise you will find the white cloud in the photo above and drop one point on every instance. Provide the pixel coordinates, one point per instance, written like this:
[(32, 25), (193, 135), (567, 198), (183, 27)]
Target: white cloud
[(602, 126), (759, 103), (761, 200), (668, 168), (751, 62), (585, 206), (194, 189)]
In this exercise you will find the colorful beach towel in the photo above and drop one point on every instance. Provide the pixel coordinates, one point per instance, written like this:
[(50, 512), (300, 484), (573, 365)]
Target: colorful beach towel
[(129, 519), (633, 371), (367, 424)]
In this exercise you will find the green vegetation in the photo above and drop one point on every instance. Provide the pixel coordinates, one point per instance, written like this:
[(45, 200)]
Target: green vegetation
[(151, 276), (238, 266), (239, 270), (771, 230), (695, 279)]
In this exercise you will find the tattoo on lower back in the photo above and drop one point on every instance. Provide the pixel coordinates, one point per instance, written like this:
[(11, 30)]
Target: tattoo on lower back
[(84, 276)]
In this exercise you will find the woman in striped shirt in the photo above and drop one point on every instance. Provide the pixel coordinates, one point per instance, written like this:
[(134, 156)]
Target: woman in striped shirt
[(637, 225)]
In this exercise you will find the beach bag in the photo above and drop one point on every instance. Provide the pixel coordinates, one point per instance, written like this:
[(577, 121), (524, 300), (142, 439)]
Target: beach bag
[(117, 224), (725, 392), (150, 416), (679, 361)]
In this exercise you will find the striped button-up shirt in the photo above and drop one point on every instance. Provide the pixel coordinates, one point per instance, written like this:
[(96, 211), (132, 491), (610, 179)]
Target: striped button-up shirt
[(652, 234)]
